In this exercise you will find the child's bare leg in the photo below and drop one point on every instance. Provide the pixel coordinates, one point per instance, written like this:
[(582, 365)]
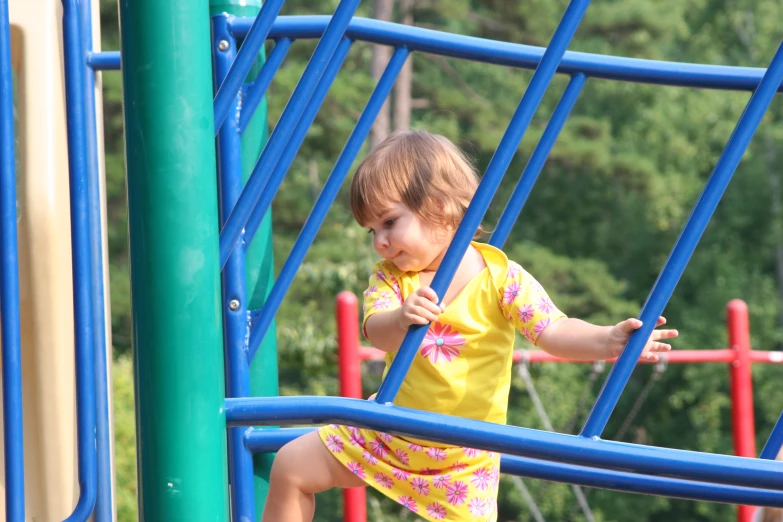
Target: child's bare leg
[(302, 468)]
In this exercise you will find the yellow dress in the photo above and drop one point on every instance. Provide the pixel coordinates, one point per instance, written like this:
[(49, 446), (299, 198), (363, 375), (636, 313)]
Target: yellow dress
[(463, 368)]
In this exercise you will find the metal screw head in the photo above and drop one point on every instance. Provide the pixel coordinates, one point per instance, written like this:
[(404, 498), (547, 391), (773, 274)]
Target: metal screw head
[(233, 305), (223, 45)]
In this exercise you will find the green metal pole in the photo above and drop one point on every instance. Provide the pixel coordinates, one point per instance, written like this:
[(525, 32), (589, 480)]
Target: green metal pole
[(260, 258), (174, 263)]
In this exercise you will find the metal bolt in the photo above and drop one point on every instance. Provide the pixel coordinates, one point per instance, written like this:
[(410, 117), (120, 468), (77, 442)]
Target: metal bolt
[(233, 305), (223, 45)]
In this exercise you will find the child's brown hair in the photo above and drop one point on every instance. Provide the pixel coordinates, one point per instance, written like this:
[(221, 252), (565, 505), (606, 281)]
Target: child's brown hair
[(426, 172)]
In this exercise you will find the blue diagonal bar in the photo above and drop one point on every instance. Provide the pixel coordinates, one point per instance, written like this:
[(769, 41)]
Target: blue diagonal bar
[(285, 126), (489, 184), (325, 199), (245, 58), (684, 247), (9, 287), (78, 168), (774, 442), (536, 162), (258, 88)]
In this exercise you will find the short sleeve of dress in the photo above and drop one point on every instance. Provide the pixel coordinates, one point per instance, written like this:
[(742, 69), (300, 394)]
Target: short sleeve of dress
[(525, 302), (382, 294)]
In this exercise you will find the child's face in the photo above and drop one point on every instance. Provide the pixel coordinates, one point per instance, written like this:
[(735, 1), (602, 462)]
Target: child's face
[(400, 236)]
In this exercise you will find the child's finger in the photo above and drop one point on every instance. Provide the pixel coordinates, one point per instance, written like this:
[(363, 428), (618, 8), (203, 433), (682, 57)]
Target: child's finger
[(661, 321), (629, 325), (428, 293), (664, 334)]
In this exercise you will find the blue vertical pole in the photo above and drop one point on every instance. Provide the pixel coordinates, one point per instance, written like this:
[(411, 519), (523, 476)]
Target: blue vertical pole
[(684, 247), (104, 503), (9, 287), (229, 152)]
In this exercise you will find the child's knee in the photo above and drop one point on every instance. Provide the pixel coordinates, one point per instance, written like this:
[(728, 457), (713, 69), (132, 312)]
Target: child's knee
[(286, 466)]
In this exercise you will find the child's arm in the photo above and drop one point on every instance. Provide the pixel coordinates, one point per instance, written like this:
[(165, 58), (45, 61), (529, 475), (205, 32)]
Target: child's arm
[(579, 340), (386, 330)]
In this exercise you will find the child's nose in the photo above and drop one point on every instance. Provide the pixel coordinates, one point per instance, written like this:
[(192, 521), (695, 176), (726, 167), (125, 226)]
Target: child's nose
[(381, 241)]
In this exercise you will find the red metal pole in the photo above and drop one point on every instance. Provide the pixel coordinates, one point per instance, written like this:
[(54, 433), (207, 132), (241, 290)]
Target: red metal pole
[(354, 499), (743, 424)]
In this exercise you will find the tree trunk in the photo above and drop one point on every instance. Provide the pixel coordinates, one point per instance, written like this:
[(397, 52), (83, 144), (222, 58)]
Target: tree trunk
[(402, 89), (380, 59)]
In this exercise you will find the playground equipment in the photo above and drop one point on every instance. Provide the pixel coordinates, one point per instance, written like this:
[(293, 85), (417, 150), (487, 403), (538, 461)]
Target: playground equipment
[(178, 252)]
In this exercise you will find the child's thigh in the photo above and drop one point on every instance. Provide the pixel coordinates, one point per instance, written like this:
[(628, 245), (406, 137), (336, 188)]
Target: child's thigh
[(306, 462)]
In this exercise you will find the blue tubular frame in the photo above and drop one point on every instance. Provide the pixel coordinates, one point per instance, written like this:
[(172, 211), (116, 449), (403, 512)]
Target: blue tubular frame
[(235, 223), (13, 427), (104, 502), (229, 159), (512, 440), (232, 81), (266, 441), (78, 166), (536, 161), (257, 89), (774, 442), (685, 245), (264, 317), (486, 190)]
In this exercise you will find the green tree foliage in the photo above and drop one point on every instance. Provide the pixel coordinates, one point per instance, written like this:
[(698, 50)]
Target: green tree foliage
[(617, 188)]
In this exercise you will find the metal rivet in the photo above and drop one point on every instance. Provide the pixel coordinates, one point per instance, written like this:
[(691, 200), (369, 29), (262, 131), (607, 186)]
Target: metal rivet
[(223, 45), (233, 305)]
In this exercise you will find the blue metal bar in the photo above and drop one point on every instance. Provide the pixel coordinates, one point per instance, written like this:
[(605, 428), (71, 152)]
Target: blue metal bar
[(258, 88), (502, 53), (518, 55), (285, 126), (774, 442), (512, 440), (229, 158), (684, 247), (325, 199), (489, 184), (13, 427), (260, 441), (78, 167), (536, 161), (251, 46), (104, 503), (104, 61)]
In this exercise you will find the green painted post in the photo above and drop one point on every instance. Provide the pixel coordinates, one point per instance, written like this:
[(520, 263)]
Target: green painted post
[(174, 262), (260, 259)]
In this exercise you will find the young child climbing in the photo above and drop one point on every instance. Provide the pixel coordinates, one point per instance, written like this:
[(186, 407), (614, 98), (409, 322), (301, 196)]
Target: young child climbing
[(411, 193)]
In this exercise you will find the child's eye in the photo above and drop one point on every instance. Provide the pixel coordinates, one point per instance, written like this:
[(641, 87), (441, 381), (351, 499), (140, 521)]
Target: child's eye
[(389, 222)]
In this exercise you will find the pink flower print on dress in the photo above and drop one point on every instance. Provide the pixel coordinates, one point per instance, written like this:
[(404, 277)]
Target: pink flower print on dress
[(541, 325), (481, 479), (370, 458), (441, 343), (400, 474), (525, 313), (379, 448), (357, 469), (511, 292), (477, 507), (513, 269), (495, 474), (441, 481), (396, 287), (458, 466), (436, 511), (457, 493), (402, 456), (421, 486), (385, 437), (471, 452), (334, 443), (409, 503), (383, 302), (436, 454), (383, 480), (528, 333), (414, 447), (545, 304), (356, 438), (370, 291), (428, 471)]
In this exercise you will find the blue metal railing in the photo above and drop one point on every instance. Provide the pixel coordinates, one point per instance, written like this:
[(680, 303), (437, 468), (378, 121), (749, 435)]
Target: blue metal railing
[(9, 288), (257, 90)]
